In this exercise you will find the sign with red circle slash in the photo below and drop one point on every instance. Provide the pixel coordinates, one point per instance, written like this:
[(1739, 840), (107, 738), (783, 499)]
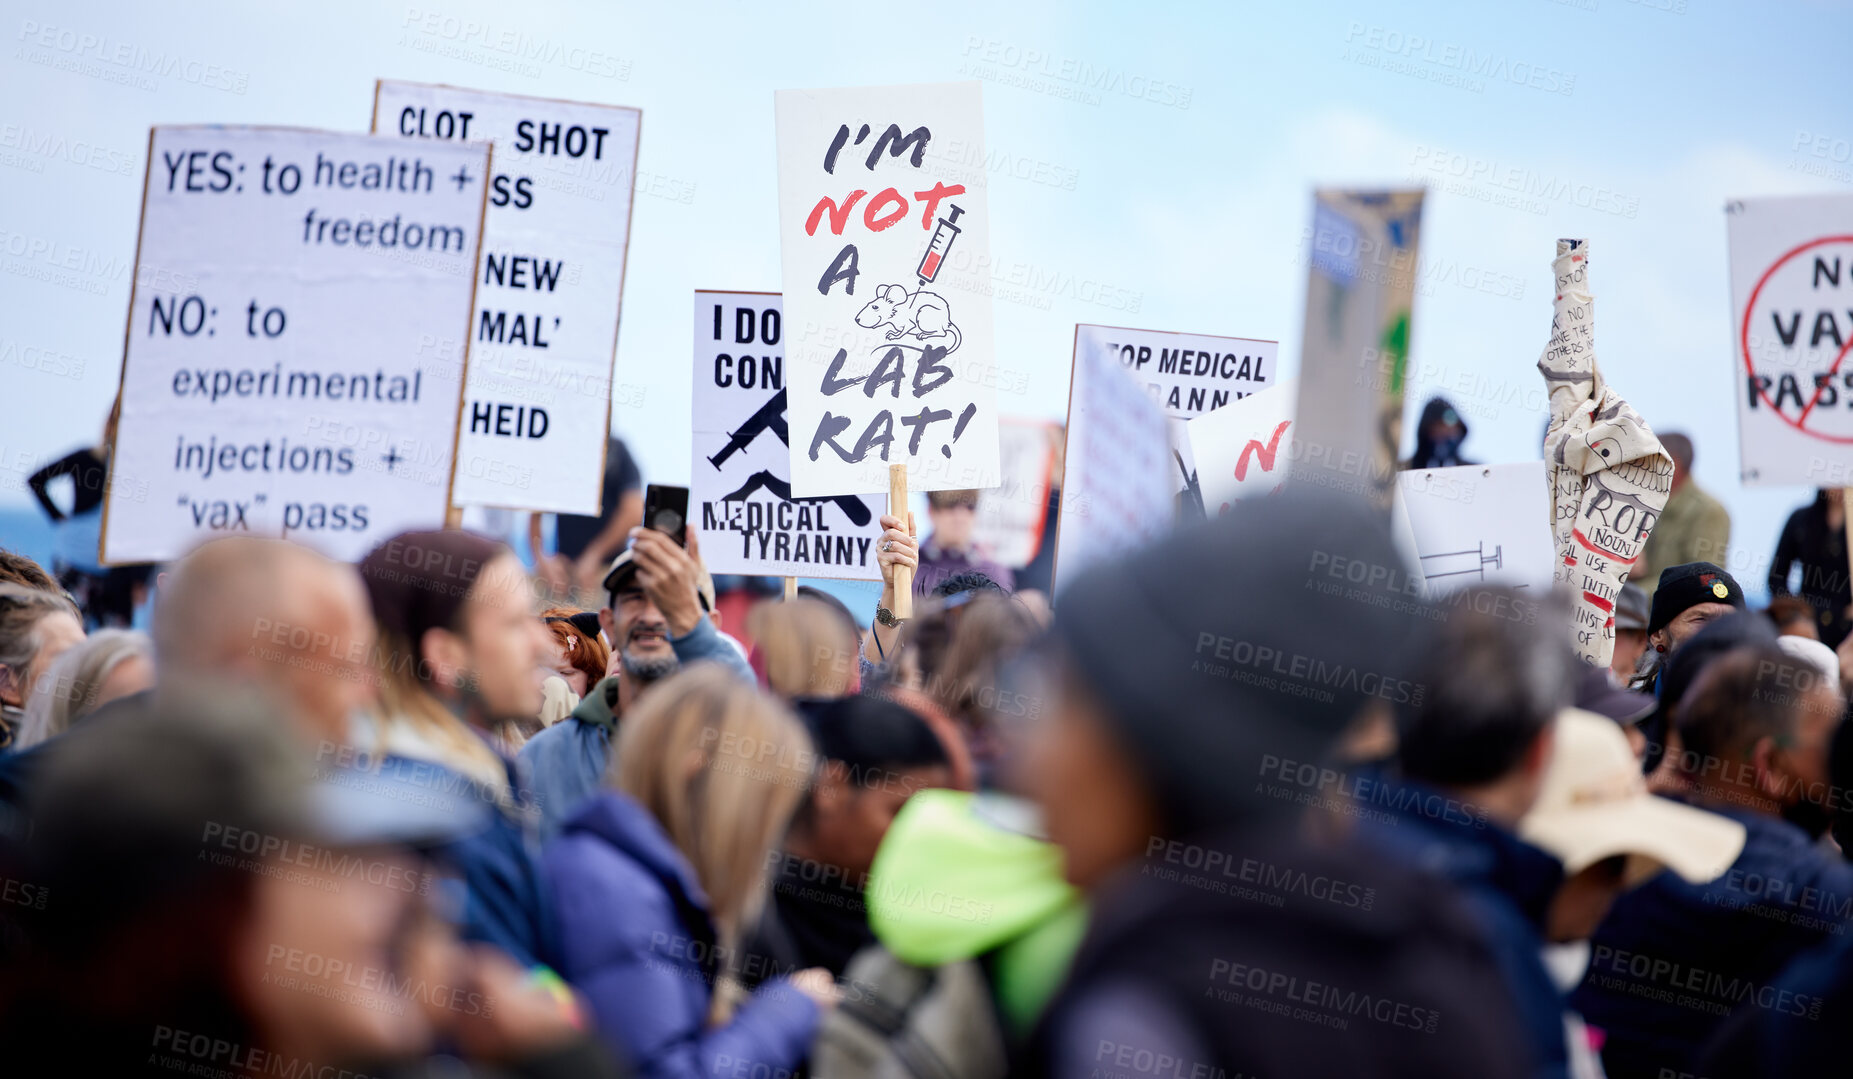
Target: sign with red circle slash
[(1792, 294)]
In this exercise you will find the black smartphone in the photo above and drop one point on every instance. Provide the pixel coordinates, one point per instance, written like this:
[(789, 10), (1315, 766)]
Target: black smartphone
[(666, 510)]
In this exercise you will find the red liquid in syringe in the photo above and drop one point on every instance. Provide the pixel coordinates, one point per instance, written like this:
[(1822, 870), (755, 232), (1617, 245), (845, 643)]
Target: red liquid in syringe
[(937, 246)]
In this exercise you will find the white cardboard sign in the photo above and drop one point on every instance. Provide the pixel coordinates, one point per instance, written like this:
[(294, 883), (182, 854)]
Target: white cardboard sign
[(1243, 449), (1011, 516), (287, 371), (543, 340), (1116, 488), (1792, 294), (1480, 524), (885, 256), (740, 488), (1187, 374)]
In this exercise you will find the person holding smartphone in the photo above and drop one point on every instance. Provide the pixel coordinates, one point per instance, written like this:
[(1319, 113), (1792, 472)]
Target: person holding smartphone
[(658, 618)]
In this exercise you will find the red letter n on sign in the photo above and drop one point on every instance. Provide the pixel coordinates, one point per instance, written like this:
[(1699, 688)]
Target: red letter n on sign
[(1264, 453), (839, 215)]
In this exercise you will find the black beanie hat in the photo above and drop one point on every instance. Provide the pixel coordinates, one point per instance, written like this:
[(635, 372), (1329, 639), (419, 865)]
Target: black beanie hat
[(1686, 586), (1253, 639)]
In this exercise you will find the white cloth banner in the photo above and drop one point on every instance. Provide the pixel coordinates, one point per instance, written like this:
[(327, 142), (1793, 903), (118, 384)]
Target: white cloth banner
[(293, 365), (739, 488), (887, 288), (537, 403)]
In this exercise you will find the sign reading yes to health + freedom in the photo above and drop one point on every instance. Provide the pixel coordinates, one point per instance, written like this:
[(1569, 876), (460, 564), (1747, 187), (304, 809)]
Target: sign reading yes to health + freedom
[(292, 381), (887, 290), (537, 402)]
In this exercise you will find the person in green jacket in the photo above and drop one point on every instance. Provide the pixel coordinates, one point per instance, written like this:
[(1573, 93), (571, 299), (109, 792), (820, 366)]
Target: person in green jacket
[(1694, 526)]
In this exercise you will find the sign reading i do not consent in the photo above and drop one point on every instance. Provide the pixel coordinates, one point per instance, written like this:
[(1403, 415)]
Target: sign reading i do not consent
[(300, 384), (537, 403)]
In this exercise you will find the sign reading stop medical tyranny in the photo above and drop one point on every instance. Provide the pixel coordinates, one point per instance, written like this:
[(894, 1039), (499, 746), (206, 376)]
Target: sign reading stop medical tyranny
[(1792, 288)]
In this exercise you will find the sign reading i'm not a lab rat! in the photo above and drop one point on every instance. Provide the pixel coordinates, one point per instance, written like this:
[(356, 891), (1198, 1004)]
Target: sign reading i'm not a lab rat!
[(740, 486), (287, 375), (1186, 375), (1792, 287), (887, 295), (537, 402)]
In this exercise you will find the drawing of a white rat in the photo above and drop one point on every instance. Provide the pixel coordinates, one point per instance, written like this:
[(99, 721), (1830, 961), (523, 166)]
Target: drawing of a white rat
[(923, 316)]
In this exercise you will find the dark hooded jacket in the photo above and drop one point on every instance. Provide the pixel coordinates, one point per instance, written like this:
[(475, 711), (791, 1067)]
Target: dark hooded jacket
[(1429, 453)]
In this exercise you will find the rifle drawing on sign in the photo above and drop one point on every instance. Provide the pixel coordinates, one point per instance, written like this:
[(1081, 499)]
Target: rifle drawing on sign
[(771, 415)]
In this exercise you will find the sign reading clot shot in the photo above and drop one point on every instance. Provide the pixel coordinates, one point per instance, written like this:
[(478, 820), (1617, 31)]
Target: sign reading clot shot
[(743, 505), (537, 404), (1792, 290), (1186, 375), (302, 378), (887, 289)]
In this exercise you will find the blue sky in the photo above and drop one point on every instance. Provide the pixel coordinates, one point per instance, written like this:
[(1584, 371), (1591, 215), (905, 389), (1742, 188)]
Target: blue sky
[(1153, 167)]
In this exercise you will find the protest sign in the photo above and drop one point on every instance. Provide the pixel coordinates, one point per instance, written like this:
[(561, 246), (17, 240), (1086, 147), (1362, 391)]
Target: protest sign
[(537, 400), (1608, 476), (1011, 516), (887, 290), (1360, 284), (1117, 491), (1187, 375), (1792, 291), (740, 475), (1243, 449), (303, 377), (1480, 524)]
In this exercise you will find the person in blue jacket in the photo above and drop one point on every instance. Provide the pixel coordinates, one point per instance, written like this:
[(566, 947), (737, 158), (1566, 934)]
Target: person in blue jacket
[(658, 617), (654, 880), (1473, 742), (1674, 959), (457, 660)]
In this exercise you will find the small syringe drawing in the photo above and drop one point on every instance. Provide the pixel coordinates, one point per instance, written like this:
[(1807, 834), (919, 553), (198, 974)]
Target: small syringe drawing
[(1462, 563), (935, 256)]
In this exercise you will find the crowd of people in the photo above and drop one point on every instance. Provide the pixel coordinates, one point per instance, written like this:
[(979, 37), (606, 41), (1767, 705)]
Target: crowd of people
[(1223, 811)]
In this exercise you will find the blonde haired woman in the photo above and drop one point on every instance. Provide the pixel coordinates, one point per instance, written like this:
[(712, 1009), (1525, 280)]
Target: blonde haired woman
[(653, 881)]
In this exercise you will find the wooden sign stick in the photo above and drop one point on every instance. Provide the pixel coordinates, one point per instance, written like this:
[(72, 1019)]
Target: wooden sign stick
[(903, 575)]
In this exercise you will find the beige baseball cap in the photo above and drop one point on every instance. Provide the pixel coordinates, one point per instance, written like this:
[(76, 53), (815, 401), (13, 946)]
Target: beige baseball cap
[(1595, 805)]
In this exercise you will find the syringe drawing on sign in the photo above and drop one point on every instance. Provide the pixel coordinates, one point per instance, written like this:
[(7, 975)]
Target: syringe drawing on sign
[(1473, 561)]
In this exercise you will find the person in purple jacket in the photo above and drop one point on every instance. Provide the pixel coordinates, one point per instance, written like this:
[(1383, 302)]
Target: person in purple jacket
[(654, 879), (952, 547)]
